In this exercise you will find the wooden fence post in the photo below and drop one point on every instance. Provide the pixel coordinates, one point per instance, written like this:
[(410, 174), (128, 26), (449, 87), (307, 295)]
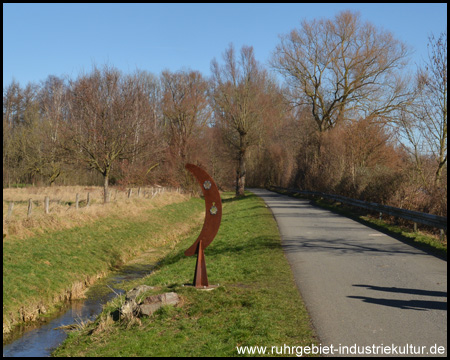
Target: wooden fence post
[(139, 191), (46, 202), (30, 207), (10, 209), (129, 193), (77, 199), (88, 200)]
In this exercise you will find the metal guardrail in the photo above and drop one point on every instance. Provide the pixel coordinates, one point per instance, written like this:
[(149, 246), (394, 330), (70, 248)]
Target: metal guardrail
[(435, 221)]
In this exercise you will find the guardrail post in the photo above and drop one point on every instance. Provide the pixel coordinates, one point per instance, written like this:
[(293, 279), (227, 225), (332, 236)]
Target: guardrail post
[(415, 227), (46, 202), (77, 199), (88, 200)]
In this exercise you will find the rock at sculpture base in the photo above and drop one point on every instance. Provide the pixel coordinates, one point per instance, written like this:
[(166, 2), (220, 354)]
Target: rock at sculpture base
[(152, 303), (147, 306), (138, 290)]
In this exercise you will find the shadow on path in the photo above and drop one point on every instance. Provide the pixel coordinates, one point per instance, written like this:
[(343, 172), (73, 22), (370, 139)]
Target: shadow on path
[(419, 304)]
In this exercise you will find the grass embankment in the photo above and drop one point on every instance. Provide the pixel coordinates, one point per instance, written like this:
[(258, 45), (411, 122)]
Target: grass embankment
[(257, 302), (41, 271)]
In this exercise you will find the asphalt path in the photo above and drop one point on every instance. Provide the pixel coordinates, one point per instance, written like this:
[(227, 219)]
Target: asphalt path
[(362, 287)]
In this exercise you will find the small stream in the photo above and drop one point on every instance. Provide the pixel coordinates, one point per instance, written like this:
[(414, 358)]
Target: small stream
[(41, 339)]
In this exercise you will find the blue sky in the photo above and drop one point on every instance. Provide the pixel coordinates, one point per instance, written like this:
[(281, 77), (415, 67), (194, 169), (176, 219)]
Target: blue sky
[(67, 39)]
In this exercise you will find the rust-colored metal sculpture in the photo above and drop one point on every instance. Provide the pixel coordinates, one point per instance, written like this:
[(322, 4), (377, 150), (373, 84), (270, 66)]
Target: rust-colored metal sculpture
[(213, 216)]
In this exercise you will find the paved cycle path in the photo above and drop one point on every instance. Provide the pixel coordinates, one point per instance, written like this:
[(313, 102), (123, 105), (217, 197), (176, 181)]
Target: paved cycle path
[(359, 285)]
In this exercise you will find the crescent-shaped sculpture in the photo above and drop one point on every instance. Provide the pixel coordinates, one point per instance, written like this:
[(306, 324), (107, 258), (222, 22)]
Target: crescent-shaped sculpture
[(213, 216)]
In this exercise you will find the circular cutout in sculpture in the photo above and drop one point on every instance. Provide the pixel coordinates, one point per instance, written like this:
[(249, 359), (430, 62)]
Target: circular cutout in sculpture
[(207, 185), (213, 210)]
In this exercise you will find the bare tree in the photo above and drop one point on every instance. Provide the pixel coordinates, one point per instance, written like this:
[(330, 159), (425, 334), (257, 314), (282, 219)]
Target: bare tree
[(423, 125), (106, 110), (53, 103), (342, 68), (238, 96), (148, 143), (432, 113), (185, 108), (11, 99), (22, 150)]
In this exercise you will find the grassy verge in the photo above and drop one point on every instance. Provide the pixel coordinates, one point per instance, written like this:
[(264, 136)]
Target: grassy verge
[(420, 240), (256, 304), (42, 270)]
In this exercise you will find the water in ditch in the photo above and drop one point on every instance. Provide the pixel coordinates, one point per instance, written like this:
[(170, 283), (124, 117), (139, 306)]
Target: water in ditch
[(39, 340)]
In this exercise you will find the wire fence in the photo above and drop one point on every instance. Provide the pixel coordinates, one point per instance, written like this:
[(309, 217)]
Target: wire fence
[(81, 200)]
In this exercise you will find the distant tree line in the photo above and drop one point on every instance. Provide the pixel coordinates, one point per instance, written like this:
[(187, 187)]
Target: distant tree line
[(346, 119)]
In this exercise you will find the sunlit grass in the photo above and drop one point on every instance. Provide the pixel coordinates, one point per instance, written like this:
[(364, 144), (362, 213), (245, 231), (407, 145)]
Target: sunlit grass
[(257, 302), (41, 270), (62, 210)]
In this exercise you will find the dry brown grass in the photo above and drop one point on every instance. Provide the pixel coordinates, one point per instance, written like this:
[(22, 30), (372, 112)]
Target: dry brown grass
[(64, 216)]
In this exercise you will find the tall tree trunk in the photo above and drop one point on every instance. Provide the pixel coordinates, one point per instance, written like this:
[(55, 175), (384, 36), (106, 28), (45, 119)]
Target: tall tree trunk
[(437, 178), (105, 187), (240, 180), (241, 177)]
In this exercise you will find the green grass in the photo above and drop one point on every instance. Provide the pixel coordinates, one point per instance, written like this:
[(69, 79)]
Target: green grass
[(38, 270), (257, 302)]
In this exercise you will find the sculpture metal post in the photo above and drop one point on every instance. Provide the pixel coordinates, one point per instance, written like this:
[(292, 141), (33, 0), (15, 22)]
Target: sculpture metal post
[(213, 216)]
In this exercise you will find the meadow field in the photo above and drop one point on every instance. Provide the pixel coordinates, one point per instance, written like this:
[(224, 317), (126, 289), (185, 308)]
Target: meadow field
[(63, 212)]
